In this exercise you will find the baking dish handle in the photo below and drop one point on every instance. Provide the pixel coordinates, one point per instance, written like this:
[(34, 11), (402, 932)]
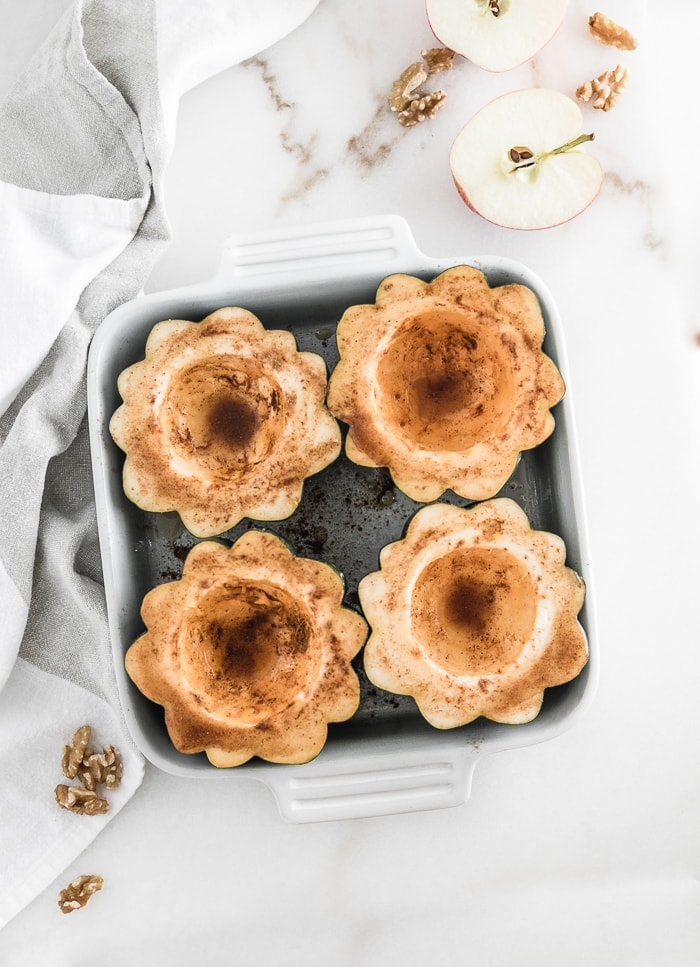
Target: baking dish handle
[(318, 252), (397, 781)]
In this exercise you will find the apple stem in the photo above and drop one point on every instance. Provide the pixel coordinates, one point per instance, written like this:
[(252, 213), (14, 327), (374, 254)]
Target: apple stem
[(524, 158), (574, 143)]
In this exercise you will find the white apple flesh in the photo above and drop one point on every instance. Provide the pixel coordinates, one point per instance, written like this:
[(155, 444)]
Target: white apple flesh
[(521, 162), (495, 34)]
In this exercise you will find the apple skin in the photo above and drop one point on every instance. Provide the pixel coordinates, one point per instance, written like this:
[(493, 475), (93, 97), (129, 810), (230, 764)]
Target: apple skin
[(547, 194), (500, 43)]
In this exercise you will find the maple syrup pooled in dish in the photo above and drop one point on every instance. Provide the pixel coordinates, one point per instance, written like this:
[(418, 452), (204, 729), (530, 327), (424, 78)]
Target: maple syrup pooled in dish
[(444, 382), (222, 420)]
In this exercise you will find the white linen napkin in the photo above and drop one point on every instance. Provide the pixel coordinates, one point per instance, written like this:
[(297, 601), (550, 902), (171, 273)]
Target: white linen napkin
[(85, 136)]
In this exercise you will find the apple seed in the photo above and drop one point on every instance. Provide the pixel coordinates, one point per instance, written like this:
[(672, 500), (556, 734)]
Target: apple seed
[(520, 154)]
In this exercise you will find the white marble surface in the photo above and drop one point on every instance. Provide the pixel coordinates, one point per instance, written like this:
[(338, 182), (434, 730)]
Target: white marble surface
[(582, 850)]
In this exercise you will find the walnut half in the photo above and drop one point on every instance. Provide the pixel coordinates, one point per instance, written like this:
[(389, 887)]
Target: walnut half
[(438, 59), (78, 892), (422, 108), (409, 103), (604, 91), (73, 754), (405, 87), (101, 768), (608, 32), (77, 799), (93, 769)]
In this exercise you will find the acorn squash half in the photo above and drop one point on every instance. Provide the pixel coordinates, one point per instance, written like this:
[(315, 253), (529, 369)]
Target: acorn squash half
[(249, 652), (473, 614), (222, 420), (444, 382)]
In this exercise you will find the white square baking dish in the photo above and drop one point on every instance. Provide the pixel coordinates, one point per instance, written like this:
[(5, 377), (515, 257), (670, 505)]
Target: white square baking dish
[(386, 759)]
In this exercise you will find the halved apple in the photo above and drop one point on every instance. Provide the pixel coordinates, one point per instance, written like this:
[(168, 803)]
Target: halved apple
[(520, 162), (495, 34)]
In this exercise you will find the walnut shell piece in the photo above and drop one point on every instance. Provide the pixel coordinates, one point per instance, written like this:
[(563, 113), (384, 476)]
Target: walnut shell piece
[(249, 652), (222, 420), (474, 614), (444, 382)]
